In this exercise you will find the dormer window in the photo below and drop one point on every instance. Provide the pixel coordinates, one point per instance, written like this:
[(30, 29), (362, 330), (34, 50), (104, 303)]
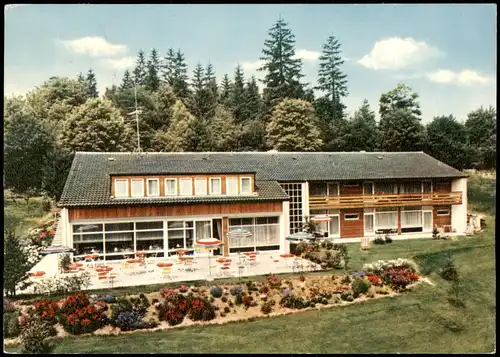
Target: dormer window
[(245, 185), (153, 187), (231, 186), (200, 186), (137, 187), (121, 188), (215, 187), (171, 187), (186, 187)]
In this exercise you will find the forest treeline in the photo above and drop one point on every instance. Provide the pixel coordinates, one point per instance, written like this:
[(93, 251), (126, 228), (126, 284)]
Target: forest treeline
[(183, 111)]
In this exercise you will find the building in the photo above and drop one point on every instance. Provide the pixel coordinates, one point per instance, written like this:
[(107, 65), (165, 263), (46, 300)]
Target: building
[(120, 203)]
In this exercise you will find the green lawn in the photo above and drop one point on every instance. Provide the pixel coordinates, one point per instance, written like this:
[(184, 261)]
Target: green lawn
[(23, 215), (421, 321)]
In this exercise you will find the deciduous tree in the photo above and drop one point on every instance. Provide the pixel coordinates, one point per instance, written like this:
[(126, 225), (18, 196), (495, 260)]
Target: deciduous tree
[(362, 131), (481, 127)]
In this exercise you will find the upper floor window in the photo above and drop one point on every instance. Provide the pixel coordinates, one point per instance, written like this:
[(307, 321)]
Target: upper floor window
[(137, 187), (121, 188), (215, 188), (200, 186), (186, 187), (245, 185), (153, 187), (170, 187), (231, 185)]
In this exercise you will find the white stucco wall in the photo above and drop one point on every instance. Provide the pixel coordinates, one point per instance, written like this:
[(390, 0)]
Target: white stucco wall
[(305, 199), (459, 212), (67, 239), (285, 228)]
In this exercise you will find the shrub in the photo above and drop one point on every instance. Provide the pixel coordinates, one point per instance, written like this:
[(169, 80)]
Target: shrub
[(247, 301), (78, 315), (236, 290), (174, 316), (449, 271), (201, 310), (324, 301), (11, 327), (231, 304), (128, 321), (435, 233), (251, 286), (238, 299), (379, 240), (388, 239), (264, 289), (273, 281), (346, 280), (167, 292), (183, 288), (8, 306), (144, 300), (35, 336), (301, 248), (302, 278), (374, 279), (343, 252), (399, 277), (359, 286), (47, 309), (154, 301), (378, 267), (227, 309), (216, 291), (292, 302), (223, 299), (347, 296), (455, 293), (266, 308)]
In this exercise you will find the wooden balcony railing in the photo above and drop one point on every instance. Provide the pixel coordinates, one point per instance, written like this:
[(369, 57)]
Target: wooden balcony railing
[(394, 200)]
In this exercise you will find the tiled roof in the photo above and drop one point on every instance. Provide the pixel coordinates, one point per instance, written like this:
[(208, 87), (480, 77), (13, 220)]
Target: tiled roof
[(89, 180)]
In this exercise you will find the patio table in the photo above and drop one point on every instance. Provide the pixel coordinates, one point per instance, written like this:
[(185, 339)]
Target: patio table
[(133, 261), (164, 265)]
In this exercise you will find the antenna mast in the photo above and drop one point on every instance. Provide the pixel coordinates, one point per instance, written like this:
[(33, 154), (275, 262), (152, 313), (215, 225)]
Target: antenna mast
[(136, 112)]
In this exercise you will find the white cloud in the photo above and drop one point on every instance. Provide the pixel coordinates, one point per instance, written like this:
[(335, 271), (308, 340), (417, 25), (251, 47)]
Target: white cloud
[(119, 63), (13, 6), (94, 46), (466, 76), (252, 66), (307, 55), (396, 53)]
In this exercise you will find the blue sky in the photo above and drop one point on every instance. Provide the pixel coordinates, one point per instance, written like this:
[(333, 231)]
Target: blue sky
[(446, 53)]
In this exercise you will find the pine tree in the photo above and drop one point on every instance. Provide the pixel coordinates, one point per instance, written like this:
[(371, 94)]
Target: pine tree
[(91, 83), (197, 85), (152, 80), (168, 68), (332, 81), (210, 92), (225, 91), (80, 78), (127, 81), (253, 100), (362, 130), (237, 98), (16, 265), (283, 70), (181, 87), (140, 72), (293, 127)]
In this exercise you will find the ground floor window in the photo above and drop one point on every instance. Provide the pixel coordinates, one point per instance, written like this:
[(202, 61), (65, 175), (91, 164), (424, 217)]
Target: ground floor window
[(411, 219), (328, 229), (265, 234), (386, 218)]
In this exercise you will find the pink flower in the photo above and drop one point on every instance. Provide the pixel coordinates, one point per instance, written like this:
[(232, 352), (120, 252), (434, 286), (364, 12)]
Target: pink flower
[(43, 235)]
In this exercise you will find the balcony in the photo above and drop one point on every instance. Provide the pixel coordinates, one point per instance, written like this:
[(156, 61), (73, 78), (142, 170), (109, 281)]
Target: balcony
[(391, 200)]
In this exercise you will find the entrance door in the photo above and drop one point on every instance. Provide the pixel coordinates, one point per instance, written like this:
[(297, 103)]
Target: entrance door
[(217, 233)]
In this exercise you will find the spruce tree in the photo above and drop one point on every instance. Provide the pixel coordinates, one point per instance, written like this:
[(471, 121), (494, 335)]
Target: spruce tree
[(181, 86), (332, 81), (210, 92), (127, 81), (197, 97), (16, 265), (253, 100), (91, 84), (152, 80), (283, 69), (80, 78), (225, 91), (168, 68), (237, 98), (362, 133), (140, 72)]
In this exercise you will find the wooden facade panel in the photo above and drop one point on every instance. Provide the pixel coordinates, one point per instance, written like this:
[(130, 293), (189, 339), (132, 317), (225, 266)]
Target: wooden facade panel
[(351, 228), (441, 220), (179, 210), (351, 190), (442, 186)]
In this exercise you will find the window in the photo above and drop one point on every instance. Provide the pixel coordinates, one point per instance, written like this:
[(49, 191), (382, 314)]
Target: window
[(265, 234), (245, 185), (411, 217), (443, 212), (411, 187), (333, 189), (121, 188), (351, 184), (368, 188), (215, 188), (427, 186), (170, 187), (386, 218), (427, 221), (351, 216), (180, 234), (294, 190), (317, 189), (231, 186), (137, 187), (386, 188), (153, 187), (369, 220), (186, 187), (200, 186), (334, 226)]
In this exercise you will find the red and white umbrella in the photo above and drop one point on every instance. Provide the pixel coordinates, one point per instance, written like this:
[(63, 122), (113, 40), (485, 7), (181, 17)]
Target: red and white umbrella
[(321, 218), (208, 244)]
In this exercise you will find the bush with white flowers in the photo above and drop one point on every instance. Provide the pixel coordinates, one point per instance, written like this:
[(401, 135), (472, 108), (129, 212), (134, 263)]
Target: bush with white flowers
[(379, 266), (33, 253)]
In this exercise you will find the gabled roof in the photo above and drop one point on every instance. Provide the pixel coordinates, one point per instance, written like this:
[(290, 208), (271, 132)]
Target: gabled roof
[(89, 180)]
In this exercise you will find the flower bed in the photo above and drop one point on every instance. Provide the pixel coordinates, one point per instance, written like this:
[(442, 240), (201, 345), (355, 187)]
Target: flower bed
[(222, 303)]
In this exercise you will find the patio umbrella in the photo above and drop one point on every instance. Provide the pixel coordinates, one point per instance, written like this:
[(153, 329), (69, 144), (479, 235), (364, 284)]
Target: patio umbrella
[(239, 233), (208, 244), (57, 249), (299, 237)]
